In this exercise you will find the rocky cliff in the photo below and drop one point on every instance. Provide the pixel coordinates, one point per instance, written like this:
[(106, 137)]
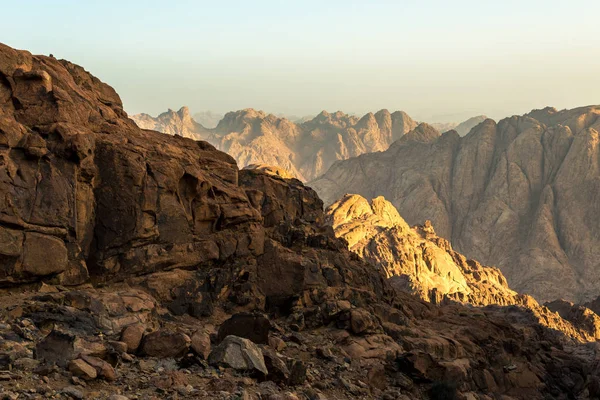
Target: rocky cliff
[(138, 265), (305, 149), (520, 194)]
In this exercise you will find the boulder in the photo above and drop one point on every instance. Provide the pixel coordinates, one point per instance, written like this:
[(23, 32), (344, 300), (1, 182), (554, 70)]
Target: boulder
[(165, 344), (238, 353), (132, 336), (251, 326)]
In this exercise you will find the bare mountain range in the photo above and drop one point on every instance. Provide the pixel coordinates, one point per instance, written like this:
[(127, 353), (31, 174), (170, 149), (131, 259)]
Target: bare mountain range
[(522, 194), (305, 149)]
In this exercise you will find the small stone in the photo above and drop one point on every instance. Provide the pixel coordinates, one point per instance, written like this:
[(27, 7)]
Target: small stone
[(73, 392), (118, 397), (276, 343)]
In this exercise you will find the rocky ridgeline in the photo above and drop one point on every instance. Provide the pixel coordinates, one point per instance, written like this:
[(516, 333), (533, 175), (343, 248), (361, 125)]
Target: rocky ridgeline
[(520, 194), (138, 265), (305, 149)]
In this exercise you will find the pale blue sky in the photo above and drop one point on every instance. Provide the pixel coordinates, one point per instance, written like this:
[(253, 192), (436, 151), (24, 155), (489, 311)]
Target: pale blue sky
[(437, 60)]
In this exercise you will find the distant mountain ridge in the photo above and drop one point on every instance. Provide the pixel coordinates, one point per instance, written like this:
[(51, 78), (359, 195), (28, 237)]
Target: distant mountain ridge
[(306, 149), (461, 128)]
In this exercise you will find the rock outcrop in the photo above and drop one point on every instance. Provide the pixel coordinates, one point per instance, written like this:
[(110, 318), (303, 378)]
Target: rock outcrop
[(106, 226), (415, 259), (520, 194), (305, 149)]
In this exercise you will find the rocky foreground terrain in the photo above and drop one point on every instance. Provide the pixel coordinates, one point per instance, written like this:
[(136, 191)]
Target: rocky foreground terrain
[(521, 194), (135, 265)]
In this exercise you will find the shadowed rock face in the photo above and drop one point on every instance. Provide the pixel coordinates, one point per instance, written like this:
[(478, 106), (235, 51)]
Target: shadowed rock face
[(305, 149), (520, 194), (177, 240)]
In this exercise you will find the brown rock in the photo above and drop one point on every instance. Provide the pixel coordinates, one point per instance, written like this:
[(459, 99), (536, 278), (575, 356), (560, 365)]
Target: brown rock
[(165, 344), (82, 369), (201, 343), (103, 369), (132, 337)]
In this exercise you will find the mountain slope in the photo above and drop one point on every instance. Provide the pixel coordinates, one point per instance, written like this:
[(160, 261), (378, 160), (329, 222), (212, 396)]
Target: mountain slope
[(521, 194), (305, 149)]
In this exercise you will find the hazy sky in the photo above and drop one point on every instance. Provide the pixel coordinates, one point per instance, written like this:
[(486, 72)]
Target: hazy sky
[(436, 60)]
